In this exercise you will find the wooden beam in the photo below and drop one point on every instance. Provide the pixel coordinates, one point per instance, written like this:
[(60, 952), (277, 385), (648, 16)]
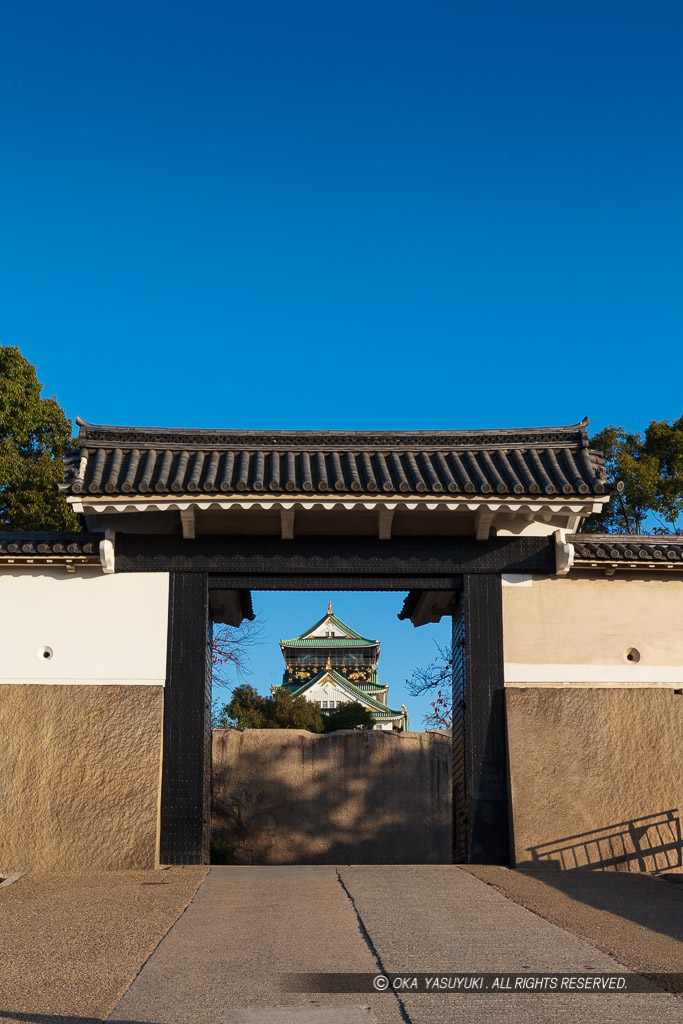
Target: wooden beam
[(188, 520), (287, 523), (483, 518), (385, 518)]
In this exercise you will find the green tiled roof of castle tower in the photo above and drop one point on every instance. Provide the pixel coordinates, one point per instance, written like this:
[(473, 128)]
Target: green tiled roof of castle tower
[(301, 657), (352, 639), (377, 707)]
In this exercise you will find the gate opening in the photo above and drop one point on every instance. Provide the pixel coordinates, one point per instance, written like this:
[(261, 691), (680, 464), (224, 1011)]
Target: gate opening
[(377, 793)]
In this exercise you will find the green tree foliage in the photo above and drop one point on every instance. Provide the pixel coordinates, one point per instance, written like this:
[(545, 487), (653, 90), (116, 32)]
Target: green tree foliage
[(34, 435), (650, 465), (350, 715), (664, 442), (247, 709)]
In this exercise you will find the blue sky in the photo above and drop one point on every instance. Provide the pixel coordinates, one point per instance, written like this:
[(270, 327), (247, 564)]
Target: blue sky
[(368, 214), (403, 648)]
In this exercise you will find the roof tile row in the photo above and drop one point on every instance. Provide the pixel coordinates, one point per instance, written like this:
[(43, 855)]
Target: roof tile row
[(627, 548), (516, 471), (22, 544)]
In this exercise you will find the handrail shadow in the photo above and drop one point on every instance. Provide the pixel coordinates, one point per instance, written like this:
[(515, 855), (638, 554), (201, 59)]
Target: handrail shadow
[(649, 843), (606, 869)]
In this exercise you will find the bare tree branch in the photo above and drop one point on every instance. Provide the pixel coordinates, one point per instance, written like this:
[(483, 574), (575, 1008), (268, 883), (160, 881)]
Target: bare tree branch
[(435, 679), (230, 651)]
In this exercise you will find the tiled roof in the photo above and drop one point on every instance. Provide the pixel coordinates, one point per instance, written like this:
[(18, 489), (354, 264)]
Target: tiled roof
[(147, 462), (328, 641), (377, 706), (632, 548), (37, 546), (350, 633), (409, 604)]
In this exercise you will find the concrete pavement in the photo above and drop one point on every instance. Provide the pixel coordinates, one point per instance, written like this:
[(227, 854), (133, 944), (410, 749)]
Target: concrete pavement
[(245, 926), (636, 918), (71, 945)]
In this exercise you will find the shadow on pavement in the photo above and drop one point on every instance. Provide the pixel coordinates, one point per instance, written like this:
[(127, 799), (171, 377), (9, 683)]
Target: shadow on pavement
[(637, 898)]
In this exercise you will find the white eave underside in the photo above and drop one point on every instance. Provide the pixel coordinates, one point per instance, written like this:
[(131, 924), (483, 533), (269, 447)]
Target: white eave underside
[(99, 504)]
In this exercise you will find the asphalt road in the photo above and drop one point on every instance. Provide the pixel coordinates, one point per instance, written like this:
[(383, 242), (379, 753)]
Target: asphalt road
[(224, 958)]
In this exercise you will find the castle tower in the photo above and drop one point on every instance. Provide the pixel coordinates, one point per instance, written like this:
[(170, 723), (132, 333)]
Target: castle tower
[(331, 664)]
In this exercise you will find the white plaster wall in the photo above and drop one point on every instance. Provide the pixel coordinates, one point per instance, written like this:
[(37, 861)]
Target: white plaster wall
[(577, 630), (327, 691), (102, 629), (324, 628)]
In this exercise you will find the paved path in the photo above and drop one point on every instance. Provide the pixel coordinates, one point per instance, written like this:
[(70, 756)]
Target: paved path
[(223, 958), (70, 944), (636, 918)]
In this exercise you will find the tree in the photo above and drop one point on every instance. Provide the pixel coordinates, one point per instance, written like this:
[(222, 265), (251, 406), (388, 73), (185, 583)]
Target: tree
[(247, 709), (664, 442), (34, 436), (230, 650), (651, 469), (350, 715), (435, 679)]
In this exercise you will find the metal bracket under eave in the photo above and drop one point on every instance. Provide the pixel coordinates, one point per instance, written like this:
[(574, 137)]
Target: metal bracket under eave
[(564, 553), (107, 552)]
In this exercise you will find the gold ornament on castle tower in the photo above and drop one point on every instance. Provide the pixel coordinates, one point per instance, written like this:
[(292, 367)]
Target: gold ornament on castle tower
[(311, 655)]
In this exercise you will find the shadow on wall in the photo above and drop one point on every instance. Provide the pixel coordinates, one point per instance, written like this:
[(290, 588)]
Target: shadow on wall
[(489, 840), (286, 796), (650, 843)]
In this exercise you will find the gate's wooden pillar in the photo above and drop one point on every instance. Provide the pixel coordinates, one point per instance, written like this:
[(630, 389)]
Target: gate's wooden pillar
[(186, 779), (485, 742)]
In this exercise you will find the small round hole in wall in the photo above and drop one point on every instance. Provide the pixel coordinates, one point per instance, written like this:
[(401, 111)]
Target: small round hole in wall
[(45, 653), (632, 654)]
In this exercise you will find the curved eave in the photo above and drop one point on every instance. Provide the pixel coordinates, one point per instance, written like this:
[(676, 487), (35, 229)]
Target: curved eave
[(98, 504), (299, 645)]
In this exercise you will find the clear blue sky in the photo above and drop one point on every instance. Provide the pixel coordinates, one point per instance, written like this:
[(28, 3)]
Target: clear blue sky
[(368, 214), (402, 646)]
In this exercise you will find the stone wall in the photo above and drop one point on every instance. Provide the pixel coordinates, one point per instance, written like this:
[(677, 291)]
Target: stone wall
[(596, 777), (79, 776), (287, 796)]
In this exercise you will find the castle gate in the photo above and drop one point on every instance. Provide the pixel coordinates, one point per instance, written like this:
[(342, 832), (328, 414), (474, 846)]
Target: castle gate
[(446, 516)]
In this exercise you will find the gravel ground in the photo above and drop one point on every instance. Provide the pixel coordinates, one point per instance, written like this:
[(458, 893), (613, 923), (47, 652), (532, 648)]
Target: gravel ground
[(70, 944), (635, 918)]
